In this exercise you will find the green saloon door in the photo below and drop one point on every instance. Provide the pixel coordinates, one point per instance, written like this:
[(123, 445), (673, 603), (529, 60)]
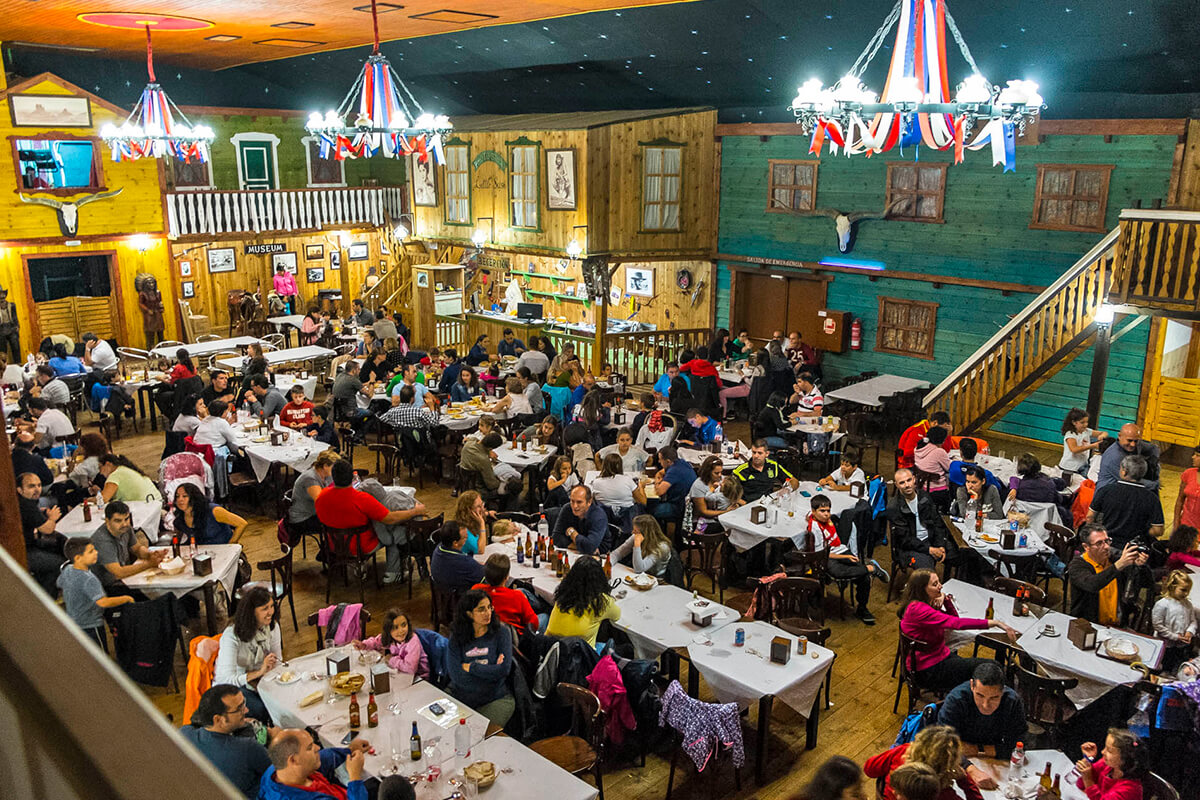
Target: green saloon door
[(256, 161)]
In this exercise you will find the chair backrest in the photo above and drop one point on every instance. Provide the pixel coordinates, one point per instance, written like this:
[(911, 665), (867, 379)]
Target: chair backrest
[(364, 616), (280, 569), (206, 450), (442, 602), (906, 646), (1021, 567), (587, 718), (807, 562), (339, 540), (707, 546), (1061, 540), (803, 626), (1011, 586), (1156, 787), (385, 454), (1045, 698), (797, 597)]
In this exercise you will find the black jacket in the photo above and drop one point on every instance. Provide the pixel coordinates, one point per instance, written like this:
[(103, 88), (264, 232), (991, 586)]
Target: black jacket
[(1086, 584), (904, 525)]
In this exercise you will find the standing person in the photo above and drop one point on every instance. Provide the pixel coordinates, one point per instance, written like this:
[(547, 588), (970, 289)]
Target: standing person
[(479, 652), (250, 647), (216, 731), (285, 288), (1187, 502), (1174, 619), (151, 305), (10, 327), (914, 433), (582, 601), (1079, 442), (197, 519), (937, 751), (1118, 773)]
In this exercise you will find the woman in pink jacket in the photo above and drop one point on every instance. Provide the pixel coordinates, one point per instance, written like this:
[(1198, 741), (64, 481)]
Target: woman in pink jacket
[(399, 644), (285, 287), (1118, 774), (926, 613)]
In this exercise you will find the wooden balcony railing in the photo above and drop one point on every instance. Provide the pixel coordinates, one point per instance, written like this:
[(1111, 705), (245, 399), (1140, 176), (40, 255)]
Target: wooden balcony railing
[(451, 332), (1158, 254), (640, 356), (1032, 346), (213, 213)]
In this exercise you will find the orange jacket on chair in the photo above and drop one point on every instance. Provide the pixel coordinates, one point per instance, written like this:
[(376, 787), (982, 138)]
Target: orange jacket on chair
[(201, 665)]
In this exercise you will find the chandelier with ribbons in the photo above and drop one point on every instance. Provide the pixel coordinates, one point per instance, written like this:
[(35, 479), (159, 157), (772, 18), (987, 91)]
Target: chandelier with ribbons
[(916, 106), (156, 127), (389, 120)]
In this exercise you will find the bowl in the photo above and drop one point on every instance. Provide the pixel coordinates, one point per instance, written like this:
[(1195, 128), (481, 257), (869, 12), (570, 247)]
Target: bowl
[(482, 772), (1121, 649), (347, 682)]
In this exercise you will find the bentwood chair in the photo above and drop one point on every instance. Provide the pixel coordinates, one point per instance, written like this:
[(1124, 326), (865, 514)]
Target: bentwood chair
[(280, 585), (581, 749), (340, 554), (1045, 699), (364, 617)]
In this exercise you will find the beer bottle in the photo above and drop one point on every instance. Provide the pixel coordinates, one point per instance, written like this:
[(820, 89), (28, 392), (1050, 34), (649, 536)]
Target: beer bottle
[(528, 547), (991, 610), (372, 711), (175, 546), (414, 744), (1045, 780), (979, 518), (608, 567), (537, 551), (355, 719), (1056, 788), (87, 510), (520, 552)]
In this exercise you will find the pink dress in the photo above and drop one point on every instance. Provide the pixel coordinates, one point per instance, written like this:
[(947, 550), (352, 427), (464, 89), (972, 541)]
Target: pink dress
[(407, 657)]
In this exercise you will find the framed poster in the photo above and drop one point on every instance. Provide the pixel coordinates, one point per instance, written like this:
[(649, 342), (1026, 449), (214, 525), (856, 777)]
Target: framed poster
[(315, 274), (423, 280), (221, 259), (189, 289), (560, 180), (639, 281), (424, 182), (49, 111), (314, 252), (359, 251), (185, 269), (285, 260), (335, 259)]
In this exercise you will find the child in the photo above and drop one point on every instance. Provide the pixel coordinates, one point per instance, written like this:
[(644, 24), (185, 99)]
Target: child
[(400, 645), (487, 424), (849, 472), (83, 595), (1174, 619), (843, 564), (297, 412), (321, 428), (915, 781)]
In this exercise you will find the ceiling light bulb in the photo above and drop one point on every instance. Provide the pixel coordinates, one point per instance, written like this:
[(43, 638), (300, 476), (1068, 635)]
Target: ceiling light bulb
[(848, 90), (109, 131), (315, 121), (974, 90), (332, 120), (809, 95), (906, 90), (479, 237), (153, 129), (140, 242), (181, 132), (401, 231), (574, 248)]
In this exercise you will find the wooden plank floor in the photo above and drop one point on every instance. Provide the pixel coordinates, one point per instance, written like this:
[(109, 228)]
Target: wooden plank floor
[(859, 724)]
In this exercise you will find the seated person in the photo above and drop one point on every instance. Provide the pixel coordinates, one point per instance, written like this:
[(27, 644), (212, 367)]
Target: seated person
[(647, 550), (930, 456), (497, 476), (43, 546), (1094, 576), (672, 483), (1128, 509), (1118, 772), (773, 421), (220, 729), (479, 653), (843, 564), (582, 601), (449, 567), (343, 507), (466, 386), (515, 402), (215, 430), (713, 493), (633, 458), (1032, 485), (705, 429), (988, 716), (265, 400), (848, 472), (533, 359), (125, 482), (407, 413), (648, 405), (662, 387), (297, 412), (207, 523), (561, 480), (347, 388), (977, 495), (509, 345), (616, 491), (191, 411), (914, 433), (582, 524), (920, 533), (218, 388), (64, 364), (400, 645), (968, 450), (302, 514), (761, 475), (1181, 548), (478, 352), (300, 768), (808, 399), (321, 428), (24, 460), (927, 768), (50, 425), (512, 606), (120, 554), (471, 513)]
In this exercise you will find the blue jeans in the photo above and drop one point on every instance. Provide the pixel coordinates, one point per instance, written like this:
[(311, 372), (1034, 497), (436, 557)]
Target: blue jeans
[(665, 511)]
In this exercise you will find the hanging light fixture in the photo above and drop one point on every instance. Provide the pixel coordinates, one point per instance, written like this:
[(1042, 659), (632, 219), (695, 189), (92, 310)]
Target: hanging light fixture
[(916, 106), (385, 123), (151, 129)]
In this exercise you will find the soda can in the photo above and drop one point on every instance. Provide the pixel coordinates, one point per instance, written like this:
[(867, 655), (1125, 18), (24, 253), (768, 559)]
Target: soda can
[(739, 637), (802, 645)]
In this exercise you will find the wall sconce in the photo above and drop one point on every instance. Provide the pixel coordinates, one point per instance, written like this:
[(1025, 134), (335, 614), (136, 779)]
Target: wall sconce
[(1104, 315), (401, 230), (141, 242), (481, 237), (574, 247)]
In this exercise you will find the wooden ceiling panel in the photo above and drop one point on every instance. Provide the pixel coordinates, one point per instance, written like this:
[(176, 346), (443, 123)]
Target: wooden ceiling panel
[(335, 25)]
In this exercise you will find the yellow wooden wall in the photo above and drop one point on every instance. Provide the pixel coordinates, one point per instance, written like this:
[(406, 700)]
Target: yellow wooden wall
[(489, 194), (615, 186), (138, 209)]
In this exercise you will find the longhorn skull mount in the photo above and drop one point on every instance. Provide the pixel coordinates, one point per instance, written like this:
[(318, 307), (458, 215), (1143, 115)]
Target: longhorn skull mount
[(68, 212), (846, 224)]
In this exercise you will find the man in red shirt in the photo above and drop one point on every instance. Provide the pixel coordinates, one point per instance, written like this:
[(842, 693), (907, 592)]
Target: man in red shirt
[(512, 606), (913, 434), (298, 765), (343, 506)]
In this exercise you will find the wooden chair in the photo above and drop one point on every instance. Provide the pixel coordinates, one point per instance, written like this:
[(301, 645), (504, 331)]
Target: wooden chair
[(339, 555), (720, 754), (1021, 567), (364, 617), (386, 456), (864, 432), (705, 558), (1045, 699), (281, 581), (442, 603), (797, 597), (582, 748), (420, 531), (1062, 541), (1155, 787), (907, 678), (1009, 587)]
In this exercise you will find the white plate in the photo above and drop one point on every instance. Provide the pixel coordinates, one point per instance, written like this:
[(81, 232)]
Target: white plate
[(280, 679)]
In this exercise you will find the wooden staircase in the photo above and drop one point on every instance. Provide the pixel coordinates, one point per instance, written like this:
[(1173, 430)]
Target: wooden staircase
[(1157, 263), (1047, 334)]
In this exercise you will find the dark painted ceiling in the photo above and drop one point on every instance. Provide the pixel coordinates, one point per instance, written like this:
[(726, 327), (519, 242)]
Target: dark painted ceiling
[(1093, 59)]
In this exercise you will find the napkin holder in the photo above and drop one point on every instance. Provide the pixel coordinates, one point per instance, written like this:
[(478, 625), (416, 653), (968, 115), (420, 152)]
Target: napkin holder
[(781, 649), (381, 678), (703, 612), (1008, 539), (758, 514), (1082, 634), (202, 565), (858, 489), (337, 662), (618, 416), (275, 438)]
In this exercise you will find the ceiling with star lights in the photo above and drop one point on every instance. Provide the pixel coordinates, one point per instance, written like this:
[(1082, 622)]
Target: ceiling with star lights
[(1095, 59)]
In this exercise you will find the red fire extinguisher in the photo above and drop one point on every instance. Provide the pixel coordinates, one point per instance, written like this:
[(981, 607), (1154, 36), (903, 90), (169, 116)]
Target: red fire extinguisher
[(856, 334)]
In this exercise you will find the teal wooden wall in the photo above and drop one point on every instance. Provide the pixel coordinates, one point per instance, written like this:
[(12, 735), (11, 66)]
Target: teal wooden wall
[(985, 236)]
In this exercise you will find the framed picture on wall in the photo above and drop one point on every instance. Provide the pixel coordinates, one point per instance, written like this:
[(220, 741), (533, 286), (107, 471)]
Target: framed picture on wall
[(314, 252), (185, 269), (424, 181), (560, 180), (335, 259), (639, 281), (285, 260), (49, 111), (189, 289), (359, 251), (315, 274), (221, 259), (423, 280)]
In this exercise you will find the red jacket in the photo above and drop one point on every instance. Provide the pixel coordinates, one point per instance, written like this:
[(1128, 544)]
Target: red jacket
[(909, 441), (1107, 787), (881, 766), (700, 368), (510, 605)]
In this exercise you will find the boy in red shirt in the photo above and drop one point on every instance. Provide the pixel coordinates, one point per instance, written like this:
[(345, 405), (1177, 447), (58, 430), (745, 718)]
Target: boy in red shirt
[(510, 605), (297, 413), (914, 433)]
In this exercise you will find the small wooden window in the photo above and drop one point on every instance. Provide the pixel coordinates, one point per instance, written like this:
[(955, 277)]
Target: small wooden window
[(906, 327), (523, 187), (1071, 197), (662, 178), (458, 185), (323, 172), (194, 174), (793, 186), (918, 191)]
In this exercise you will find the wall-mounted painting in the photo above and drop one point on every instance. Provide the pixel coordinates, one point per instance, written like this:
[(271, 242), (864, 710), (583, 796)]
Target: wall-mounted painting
[(285, 260), (560, 180), (221, 259), (185, 269), (423, 280), (49, 111), (424, 182), (639, 281), (189, 289), (315, 274), (314, 252), (335, 259), (359, 251)]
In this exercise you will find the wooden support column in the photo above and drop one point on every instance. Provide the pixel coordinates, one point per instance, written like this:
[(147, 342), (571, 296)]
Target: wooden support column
[(1099, 372), (601, 333), (11, 537)]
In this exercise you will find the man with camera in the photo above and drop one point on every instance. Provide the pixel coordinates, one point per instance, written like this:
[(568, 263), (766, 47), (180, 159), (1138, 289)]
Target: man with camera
[(1095, 577)]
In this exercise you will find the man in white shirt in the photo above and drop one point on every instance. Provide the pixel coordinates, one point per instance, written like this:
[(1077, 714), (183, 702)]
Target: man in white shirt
[(98, 354), (535, 360), (810, 402), (51, 425)]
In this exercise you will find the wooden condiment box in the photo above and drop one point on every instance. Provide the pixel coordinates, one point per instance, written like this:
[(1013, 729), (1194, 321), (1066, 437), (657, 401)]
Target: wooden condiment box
[(1082, 634), (781, 649), (758, 514), (202, 565), (337, 662), (381, 678)]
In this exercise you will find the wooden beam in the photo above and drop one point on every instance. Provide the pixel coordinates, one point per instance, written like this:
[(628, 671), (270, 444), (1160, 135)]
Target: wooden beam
[(1045, 127), (227, 111), (817, 269)]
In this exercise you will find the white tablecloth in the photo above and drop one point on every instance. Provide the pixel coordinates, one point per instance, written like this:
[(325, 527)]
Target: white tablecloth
[(206, 348), (298, 453), (285, 381), (733, 454), (469, 419), (286, 356), (153, 583), (972, 601), (146, 517), (996, 528), (295, 320), (872, 391), (744, 534), (742, 675), (522, 459), (1035, 762)]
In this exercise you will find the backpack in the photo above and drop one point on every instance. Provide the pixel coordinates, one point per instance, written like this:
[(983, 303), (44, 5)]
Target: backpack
[(914, 722)]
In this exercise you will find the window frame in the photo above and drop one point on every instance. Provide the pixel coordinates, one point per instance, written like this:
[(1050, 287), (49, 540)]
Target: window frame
[(661, 144), (175, 187), (890, 192), (537, 194), (256, 137), (308, 142), (65, 191), (1039, 196), (880, 327), (771, 187), (456, 143)]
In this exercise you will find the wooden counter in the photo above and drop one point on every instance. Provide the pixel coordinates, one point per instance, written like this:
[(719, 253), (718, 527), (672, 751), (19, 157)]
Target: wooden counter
[(478, 324)]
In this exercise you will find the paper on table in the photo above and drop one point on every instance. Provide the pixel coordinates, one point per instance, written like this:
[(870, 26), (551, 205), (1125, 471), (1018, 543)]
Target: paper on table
[(446, 720)]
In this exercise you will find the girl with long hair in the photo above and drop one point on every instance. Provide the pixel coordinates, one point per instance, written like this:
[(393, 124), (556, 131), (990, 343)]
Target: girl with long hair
[(1174, 619), (250, 647), (1181, 548), (1080, 442), (1118, 773), (648, 548), (582, 601), (196, 519), (399, 644), (479, 652), (839, 778)]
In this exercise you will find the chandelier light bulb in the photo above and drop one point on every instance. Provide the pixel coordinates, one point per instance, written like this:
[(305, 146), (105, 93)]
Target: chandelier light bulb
[(848, 90), (109, 131), (974, 90), (182, 132), (332, 120), (153, 129), (479, 238), (809, 95), (401, 231), (574, 248), (906, 90), (315, 121), (203, 132)]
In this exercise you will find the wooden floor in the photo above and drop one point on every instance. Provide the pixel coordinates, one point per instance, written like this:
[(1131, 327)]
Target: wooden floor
[(859, 724)]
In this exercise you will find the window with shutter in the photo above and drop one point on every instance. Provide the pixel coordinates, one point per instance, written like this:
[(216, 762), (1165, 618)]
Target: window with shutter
[(906, 327), (1071, 197), (523, 186), (918, 191), (792, 186)]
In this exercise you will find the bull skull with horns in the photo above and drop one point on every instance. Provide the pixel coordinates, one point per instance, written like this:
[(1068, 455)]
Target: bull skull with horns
[(68, 213), (847, 224)]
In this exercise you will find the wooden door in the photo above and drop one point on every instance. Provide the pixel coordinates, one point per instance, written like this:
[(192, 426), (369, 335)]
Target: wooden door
[(1172, 411), (258, 164), (765, 303), (806, 296), (75, 316)]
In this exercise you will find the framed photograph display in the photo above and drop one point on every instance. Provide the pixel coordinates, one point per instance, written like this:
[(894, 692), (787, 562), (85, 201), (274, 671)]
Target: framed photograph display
[(285, 260), (359, 251), (639, 281), (189, 289), (221, 259), (560, 180), (49, 111), (423, 280), (314, 252), (185, 269), (424, 181), (335, 259), (315, 274)]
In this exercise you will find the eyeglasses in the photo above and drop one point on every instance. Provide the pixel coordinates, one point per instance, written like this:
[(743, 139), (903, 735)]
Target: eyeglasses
[(1099, 542)]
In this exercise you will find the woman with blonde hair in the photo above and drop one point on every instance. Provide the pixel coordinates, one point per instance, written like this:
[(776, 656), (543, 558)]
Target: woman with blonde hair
[(939, 747), (471, 514), (649, 547)]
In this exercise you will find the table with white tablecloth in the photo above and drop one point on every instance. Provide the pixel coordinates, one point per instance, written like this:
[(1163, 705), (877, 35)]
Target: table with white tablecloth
[(872, 391), (155, 583), (298, 452), (285, 322), (289, 355), (733, 454), (972, 601), (1028, 780), (991, 537), (744, 534), (207, 348), (284, 381), (534, 456), (146, 518)]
